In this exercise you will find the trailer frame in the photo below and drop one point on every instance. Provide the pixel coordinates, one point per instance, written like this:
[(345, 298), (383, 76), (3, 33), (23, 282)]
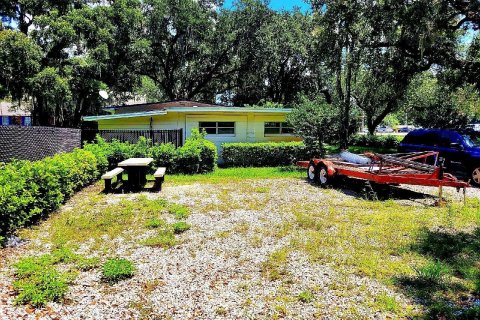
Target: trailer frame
[(391, 169)]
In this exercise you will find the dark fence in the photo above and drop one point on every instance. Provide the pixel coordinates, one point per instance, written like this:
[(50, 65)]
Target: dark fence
[(156, 136), (35, 143)]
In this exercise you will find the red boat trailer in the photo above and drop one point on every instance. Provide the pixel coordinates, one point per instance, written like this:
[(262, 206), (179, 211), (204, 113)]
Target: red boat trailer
[(392, 169)]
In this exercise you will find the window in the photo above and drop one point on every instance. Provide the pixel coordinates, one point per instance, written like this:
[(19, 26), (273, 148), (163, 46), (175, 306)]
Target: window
[(277, 128), (217, 127)]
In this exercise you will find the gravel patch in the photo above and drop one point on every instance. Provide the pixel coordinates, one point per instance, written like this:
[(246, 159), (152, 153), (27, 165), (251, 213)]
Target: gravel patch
[(215, 272)]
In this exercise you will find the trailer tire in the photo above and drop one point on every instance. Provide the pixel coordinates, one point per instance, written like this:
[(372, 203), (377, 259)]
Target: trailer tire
[(322, 174), (475, 175), (312, 174)]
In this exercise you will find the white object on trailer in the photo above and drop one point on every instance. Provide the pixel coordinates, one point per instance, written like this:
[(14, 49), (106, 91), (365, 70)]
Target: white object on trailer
[(354, 158)]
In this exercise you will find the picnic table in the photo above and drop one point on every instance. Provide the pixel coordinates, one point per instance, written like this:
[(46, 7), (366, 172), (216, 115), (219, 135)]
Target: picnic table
[(137, 171)]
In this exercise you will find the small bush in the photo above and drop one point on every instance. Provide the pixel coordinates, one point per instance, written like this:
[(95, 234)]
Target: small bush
[(180, 212), (180, 227), (265, 154), (117, 269)]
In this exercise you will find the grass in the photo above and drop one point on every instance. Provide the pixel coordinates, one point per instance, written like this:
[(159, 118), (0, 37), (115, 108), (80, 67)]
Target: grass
[(226, 175), (275, 267), (164, 239)]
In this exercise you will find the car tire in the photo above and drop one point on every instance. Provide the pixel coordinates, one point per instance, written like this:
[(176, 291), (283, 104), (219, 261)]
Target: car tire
[(475, 175)]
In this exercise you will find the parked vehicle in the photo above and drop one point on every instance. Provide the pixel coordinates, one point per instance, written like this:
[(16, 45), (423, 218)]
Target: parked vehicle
[(473, 126), (405, 129), (455, 146), (384, 129)]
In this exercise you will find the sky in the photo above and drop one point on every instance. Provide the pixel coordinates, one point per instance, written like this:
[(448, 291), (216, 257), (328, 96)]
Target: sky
[(278, 4)]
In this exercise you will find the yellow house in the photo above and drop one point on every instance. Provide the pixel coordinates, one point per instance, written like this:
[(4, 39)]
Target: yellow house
[(222, 124)]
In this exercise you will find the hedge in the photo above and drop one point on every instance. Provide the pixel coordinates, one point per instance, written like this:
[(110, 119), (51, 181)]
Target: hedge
[(30, 190), (368, 140), (197, 155), (264, 154)]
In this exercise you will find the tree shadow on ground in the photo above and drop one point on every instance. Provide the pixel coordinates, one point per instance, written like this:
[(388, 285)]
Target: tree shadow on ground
[(449, 285), (361, 189)]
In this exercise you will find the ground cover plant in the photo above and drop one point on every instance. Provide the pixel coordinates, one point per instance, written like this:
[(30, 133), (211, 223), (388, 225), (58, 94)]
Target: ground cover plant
[(117, 269), (267, 244)]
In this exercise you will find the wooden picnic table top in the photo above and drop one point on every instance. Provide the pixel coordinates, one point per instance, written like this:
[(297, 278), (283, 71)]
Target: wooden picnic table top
[(136, 162)]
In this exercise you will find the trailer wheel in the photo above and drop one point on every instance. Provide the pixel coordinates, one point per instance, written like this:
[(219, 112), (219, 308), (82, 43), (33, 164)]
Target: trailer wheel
[(323, 178), (476, 176), (312, 172)]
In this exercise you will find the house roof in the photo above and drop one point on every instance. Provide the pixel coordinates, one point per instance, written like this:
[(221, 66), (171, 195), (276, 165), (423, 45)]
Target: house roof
[(142, 107), (125, 115), (187, 110)]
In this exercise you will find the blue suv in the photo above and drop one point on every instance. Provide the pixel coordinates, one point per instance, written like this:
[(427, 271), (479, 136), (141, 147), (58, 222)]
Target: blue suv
[(455, 146)]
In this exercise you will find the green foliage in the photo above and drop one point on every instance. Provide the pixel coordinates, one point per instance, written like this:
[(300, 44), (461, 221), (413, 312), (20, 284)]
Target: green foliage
[(306, 296), (38, 281), (265, 154), (29, 190), (20, 60), (380, 141), (164, 239), (433, 272), (197, 155), (154, 223), (316, 122), (433, 104), (179, 211), (180, 227), (117, 269)]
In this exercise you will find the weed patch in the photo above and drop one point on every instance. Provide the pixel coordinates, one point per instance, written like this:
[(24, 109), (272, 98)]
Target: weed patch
[(179, 211), (117, 269), (164, 239), (180, 227)]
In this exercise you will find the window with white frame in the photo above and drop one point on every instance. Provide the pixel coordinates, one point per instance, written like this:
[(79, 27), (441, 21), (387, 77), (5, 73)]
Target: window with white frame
[(277, 128), (217, 127)]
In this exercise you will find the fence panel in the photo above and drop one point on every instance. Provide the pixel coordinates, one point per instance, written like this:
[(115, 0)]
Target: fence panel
[(35, 143), (157, 136)]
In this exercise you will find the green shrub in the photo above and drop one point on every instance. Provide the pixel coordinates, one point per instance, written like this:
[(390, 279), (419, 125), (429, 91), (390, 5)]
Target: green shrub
[(180, 227), (265, 154), (197, 155), (381, 141), (117, 269), (30, 190)]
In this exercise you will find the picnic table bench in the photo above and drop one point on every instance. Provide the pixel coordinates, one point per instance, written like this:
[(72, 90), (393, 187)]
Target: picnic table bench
[(110, 175), (159, 176)]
